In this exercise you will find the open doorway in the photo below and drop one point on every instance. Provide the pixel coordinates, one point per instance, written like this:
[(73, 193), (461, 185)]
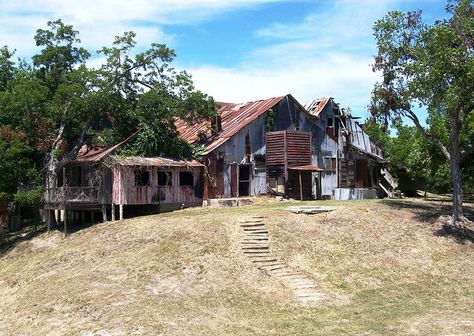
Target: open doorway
[(244, 180)]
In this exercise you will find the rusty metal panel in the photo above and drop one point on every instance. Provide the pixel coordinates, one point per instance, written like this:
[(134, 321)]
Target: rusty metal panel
[(298, 147), (275, 153), (290, 147)]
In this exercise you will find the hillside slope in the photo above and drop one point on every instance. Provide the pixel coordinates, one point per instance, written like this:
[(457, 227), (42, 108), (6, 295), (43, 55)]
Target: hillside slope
[(382, 263)]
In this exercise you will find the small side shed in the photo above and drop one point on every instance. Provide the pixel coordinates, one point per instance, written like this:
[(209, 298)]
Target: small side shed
[(166, 183)]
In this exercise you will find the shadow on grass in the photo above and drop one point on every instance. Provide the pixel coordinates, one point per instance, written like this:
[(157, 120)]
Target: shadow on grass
[(8, 240), (430, 210)]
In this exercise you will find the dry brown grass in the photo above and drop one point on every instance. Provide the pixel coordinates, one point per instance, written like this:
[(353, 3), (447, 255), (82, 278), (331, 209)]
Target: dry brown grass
[(183, 273)]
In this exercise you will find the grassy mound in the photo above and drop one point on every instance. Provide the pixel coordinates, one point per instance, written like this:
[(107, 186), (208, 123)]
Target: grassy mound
[(384, 263)]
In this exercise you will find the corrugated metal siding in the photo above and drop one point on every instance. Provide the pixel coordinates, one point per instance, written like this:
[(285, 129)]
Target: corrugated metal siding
[(293, 147), (298, 147), (361, 140), (275, 148)]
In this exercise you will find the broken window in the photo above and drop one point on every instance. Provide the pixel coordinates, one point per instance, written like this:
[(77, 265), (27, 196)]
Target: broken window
[(330, 163), (76, 176), (186, 178), (247, 148), (165, 178), (260, 162), (142, 178), (330, 127)]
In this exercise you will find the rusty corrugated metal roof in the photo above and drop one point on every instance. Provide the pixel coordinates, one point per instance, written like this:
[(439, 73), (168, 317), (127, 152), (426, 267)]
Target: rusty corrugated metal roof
[(314, 107), (306, 168), (155, 161), (234, 117), (89, 153)]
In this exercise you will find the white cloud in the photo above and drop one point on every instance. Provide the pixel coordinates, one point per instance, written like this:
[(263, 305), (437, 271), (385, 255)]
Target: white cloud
[(327, 53), (100, 20), (348, 79)]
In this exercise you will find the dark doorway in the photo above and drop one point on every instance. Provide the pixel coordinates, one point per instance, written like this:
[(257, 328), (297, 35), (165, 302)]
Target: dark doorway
[(244, 180), (233, 180), (220, 177), (362, 173)]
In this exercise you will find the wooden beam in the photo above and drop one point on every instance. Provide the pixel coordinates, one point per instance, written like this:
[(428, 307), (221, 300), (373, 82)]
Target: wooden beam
[(121, 211), (301, 186), (65, 221), (113, 212), (104, 213), (48, 220)]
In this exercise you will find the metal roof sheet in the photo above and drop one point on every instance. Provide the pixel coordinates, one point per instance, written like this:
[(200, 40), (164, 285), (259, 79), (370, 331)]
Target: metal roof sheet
[(306, 168), (155, 161), (234, 117), (314, 107)]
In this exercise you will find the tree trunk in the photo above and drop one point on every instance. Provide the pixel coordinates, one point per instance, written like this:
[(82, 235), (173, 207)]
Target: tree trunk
[(457, 188), (455, 161)]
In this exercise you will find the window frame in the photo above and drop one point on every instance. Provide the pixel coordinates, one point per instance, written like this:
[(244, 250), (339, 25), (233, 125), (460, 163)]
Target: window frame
[(168, 176), (189, 173)]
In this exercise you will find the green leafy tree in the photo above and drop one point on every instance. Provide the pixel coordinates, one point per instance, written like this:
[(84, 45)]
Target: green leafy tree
[(430, 66), (57, 100), (130, 91)]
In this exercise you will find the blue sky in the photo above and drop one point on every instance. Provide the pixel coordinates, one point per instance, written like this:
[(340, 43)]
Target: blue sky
[(236, 50)]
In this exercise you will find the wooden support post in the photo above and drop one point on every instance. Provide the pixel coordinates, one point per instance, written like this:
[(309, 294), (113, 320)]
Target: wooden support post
[(112, 210), (104, 213), (121, 211), (301, 186), (54, 219), (65, 222), (48, 220), (92, 217), (83, 217)]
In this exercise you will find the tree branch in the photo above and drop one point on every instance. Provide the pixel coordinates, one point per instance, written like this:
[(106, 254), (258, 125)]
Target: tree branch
[(62, 125), (73, 152), (412, 116)]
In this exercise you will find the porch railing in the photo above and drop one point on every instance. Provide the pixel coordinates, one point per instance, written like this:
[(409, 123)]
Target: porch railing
[(73, 195)]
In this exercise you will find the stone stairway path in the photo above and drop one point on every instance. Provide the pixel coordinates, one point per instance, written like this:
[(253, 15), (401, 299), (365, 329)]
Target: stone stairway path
[(255, 245)]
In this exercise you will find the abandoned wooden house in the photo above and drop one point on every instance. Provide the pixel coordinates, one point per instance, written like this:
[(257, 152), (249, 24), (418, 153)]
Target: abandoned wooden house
[(97, 184), (279, 146), (353, 163)]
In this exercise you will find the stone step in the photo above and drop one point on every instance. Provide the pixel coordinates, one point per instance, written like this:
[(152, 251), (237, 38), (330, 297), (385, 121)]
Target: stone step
[(255, 248), (254, 229), (256, 251), (252, 225), (253, 220), (273, 267), (259, 256), (270, 259)]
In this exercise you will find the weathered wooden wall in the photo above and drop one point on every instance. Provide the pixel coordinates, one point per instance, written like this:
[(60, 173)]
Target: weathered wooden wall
[(126, 192)]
